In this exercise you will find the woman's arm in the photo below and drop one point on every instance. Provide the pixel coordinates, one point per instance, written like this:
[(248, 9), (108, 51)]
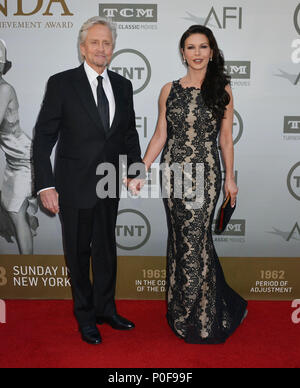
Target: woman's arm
[(159, 138), (227, 148), (157, 142)]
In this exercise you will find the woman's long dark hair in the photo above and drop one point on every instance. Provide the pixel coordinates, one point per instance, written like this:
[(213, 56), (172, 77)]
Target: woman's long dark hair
[(213, 88)]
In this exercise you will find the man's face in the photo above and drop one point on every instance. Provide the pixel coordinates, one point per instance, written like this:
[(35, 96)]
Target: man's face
[(98, 47)]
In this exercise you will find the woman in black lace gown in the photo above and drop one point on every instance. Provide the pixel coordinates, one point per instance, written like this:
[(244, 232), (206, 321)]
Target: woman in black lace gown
[(194, 111)]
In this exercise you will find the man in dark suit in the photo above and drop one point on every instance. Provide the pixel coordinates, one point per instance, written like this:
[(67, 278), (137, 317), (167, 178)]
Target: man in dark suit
[(88, 112)]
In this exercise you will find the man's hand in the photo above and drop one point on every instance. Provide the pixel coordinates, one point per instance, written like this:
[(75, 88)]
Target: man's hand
[(134, 185), (49, 200)]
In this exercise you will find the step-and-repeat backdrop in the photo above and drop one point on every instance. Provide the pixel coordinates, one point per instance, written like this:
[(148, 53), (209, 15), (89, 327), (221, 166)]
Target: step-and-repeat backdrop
[(260, 249)]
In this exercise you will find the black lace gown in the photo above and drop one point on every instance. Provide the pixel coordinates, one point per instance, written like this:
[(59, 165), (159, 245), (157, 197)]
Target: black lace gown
[(202, 308)]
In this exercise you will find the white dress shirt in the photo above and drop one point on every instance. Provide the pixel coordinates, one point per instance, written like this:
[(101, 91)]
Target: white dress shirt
[(92, 77)]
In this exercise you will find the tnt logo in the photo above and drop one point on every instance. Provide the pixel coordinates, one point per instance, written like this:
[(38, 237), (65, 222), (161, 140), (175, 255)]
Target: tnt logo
[(296, 313), (293, 181), (2, 312), (238, 127), (134, 66), (133, 230), (296, 43), (297, 19)]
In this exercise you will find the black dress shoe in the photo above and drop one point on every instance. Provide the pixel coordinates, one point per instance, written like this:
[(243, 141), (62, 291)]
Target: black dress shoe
[(91, 335), (116, 322)]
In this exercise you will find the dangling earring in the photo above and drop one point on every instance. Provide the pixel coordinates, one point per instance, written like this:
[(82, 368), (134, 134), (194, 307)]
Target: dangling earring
[(211, 59)]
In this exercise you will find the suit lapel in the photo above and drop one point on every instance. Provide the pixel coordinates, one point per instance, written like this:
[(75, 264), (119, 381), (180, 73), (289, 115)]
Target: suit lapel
[(85, 93)]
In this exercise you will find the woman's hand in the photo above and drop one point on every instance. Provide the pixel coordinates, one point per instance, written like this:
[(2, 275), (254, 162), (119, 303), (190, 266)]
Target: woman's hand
[(134, 185), (232, 189)]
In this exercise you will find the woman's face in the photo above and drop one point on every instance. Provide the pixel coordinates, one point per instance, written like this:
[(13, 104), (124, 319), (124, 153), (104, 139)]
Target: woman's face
[(197, 51)]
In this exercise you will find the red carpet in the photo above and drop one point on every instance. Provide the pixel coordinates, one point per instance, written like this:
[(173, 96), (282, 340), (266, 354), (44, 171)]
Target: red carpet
[(44, 334)]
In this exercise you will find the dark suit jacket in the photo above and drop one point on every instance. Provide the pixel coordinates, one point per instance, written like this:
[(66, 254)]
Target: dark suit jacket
[(69, 117)]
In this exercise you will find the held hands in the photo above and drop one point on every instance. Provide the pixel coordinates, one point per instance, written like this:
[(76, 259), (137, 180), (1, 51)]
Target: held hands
[(134, 185), (232, 189), (49, 200)]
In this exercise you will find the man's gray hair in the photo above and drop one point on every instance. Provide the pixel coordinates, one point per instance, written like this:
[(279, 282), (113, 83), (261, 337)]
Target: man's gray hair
[(93, 22)]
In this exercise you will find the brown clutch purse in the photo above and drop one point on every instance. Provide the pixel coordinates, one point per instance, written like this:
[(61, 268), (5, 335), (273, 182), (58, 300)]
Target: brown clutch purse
[(224, 215)]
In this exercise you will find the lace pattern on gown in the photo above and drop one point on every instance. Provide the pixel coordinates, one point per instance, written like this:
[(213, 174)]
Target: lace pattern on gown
[(202, 308)]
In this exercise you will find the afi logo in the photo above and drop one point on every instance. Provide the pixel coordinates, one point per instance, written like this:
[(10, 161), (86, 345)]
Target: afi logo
[(38, 4), (142, 124), (296, 313), (295, 229), (228, 13), (222, 18), (2, 312)]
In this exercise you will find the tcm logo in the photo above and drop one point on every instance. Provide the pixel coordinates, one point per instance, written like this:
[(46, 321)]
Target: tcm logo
[(223, 17), (22, 8), (134, 66), (235, 228), (296, 313), (238, 69), (293, 181), (2, 311), (133, 230), (292, 124), (129, 12)]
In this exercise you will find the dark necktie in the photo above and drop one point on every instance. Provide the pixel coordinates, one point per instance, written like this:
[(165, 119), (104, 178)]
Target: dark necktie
[(103, 104)]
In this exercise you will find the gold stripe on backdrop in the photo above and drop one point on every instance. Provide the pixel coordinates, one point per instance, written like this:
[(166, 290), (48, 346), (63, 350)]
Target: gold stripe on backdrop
[(144, 277)]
